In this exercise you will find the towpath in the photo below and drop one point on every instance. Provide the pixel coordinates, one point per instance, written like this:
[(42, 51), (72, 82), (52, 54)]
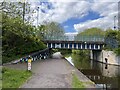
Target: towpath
[(51, 73)]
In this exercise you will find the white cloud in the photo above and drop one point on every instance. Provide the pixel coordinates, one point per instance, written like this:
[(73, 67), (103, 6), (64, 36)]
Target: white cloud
[(107, 10), (65, 9), (62, 11)]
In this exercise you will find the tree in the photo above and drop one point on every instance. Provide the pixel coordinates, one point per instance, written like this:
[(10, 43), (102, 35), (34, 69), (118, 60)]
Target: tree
[(111, 33), (18, 39), (17, 9), (112, 40), (91, 34), (51, 30)]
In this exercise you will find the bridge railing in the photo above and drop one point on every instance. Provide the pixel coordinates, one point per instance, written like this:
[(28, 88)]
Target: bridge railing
[(111, 42), (75, 38), (58, 38), (41, 54), (89, 38)]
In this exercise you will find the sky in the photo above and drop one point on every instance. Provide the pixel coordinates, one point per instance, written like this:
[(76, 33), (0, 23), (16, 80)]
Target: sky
[(77, 15)]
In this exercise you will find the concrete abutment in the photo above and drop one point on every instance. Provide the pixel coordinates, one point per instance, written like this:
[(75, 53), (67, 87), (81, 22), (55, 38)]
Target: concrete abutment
[(104, 56)]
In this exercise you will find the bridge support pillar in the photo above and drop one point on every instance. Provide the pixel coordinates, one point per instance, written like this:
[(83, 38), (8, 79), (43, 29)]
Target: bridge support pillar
[(94, 46), (95, 54), (90, 46), (68, 45), (63, 45), (47, 44), (98, 46), (91, 54), (85, 46), (51, 45), (72, 45), (81, 46), (77, 46)]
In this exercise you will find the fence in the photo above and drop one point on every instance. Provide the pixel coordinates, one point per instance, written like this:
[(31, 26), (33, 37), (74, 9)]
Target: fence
[(111, 42), (42, 54), (95, 38)]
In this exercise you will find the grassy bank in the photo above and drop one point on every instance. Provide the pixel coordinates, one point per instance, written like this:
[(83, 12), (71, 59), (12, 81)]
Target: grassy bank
[(76, 83), (12, 78)]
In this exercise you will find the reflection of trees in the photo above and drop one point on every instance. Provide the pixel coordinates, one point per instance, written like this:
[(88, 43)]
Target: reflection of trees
[(81, 61)]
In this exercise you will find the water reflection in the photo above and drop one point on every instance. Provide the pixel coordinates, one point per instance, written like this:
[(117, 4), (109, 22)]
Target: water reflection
[(105, 76)]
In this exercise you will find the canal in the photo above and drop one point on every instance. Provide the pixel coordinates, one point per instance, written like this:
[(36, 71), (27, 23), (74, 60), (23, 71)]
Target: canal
[(104, 76)]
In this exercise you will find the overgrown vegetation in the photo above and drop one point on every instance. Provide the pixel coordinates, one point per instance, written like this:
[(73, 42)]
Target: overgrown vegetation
[(84, 56), (92, 32), (65, 51), (113, 41), (81, 52), (76, 83), (18, 34), (12, 78), (18, 39)]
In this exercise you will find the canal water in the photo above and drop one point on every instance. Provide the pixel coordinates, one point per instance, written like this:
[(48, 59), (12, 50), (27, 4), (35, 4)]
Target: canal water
[(104, 76)]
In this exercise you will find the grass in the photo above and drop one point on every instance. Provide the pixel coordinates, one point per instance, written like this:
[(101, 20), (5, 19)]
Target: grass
[(67, 55), (76, 83), (12, 78)]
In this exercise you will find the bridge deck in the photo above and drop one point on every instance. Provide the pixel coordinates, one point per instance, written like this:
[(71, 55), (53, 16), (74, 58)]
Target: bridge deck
[(62, 41)]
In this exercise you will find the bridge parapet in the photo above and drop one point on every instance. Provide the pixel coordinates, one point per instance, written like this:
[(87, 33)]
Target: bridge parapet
[(83, 38)]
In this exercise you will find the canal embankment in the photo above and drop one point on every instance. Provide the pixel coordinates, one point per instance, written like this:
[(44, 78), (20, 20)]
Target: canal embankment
[(106, 57)]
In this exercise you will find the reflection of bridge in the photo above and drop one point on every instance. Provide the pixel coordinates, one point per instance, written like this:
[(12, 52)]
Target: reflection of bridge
[(97, 77), (81, 42)]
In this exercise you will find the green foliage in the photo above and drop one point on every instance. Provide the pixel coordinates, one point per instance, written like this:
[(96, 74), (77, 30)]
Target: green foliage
[(81, 52), (51, 30), (65, 51), (113, 34), (12, 78), (79, 61), (18, 39), (17, 9), (76, 83), (92, 32), (117, 51), (118, 36)]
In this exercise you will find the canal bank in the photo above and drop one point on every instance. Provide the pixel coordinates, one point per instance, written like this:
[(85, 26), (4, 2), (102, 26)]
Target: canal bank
[(104, 56)]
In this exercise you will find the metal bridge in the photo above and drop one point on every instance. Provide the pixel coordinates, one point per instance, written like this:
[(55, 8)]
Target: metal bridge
[(95, 42)]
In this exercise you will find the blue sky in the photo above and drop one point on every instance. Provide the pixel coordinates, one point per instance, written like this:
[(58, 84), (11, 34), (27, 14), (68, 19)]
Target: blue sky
[(68, 25), (78, 15)]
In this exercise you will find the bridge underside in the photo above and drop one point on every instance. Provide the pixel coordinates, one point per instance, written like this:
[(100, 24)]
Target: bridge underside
[(75, 45)]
